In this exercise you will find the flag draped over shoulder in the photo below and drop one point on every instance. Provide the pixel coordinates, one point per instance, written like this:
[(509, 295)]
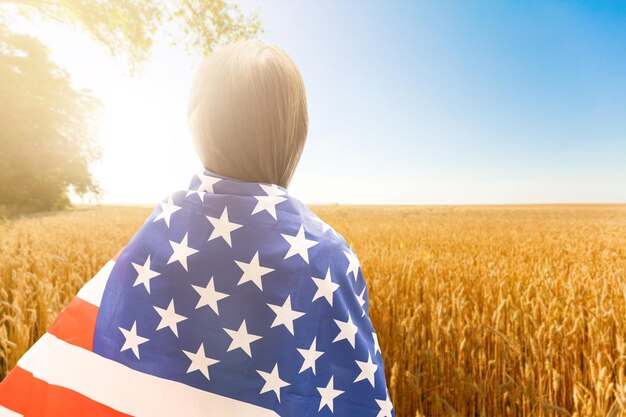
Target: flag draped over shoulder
[(232, 299)]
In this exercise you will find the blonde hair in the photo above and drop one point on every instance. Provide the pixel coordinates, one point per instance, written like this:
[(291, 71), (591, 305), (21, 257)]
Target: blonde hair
[(248, 113)]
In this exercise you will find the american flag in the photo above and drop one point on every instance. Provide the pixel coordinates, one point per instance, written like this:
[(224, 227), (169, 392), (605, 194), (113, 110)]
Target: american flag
[(232, 299)]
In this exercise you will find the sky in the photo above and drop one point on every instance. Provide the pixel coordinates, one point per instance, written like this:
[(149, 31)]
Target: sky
[(424, 102)]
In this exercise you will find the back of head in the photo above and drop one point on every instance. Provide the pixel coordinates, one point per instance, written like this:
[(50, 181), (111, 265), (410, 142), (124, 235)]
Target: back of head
[(248, 113)]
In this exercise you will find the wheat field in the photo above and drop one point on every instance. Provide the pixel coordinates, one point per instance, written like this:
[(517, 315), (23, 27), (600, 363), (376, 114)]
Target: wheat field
[(480, 311)]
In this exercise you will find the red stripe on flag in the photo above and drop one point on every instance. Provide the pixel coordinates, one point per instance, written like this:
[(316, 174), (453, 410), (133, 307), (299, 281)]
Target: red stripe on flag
[(23, 393), (76, 323)]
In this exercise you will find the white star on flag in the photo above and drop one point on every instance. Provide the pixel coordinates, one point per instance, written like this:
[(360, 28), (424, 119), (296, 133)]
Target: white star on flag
[(268, 203), (132, 339), (368, 370), (328, 395), (253, 271), (223, 227), (209, 296), (241, 339), (353, 266), (325, 288), (299, 245), (144, 274), (310, 355), (361, 299), (199, 361), (181, 252), (347, 331), (206, 185), (376, 345), (167, 209), (169, 318), (272, 189), (385, 407), (272, 382), (285, 315)]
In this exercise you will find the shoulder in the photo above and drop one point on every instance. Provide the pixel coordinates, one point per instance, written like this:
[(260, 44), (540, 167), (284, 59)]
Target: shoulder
[(325, 233), (333, 253)]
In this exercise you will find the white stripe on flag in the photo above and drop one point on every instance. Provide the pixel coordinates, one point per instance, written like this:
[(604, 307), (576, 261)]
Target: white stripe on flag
[(94, 288), (5, 412), (124, 389)]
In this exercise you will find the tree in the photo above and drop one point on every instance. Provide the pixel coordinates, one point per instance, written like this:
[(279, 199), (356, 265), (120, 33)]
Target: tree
[(47, 129), (47, 133)]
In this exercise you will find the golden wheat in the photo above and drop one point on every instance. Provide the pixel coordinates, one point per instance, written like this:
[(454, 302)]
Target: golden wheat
[(480, 311)]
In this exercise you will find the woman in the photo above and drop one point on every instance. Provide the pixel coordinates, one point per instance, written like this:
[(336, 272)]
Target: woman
[(233, 298)]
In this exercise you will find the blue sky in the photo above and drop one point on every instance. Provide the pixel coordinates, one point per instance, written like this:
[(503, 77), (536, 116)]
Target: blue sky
[(426, 102)]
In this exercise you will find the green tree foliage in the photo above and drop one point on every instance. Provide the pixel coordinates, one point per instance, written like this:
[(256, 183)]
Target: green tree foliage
[(47, 133), (47, 128), (129, 26)]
